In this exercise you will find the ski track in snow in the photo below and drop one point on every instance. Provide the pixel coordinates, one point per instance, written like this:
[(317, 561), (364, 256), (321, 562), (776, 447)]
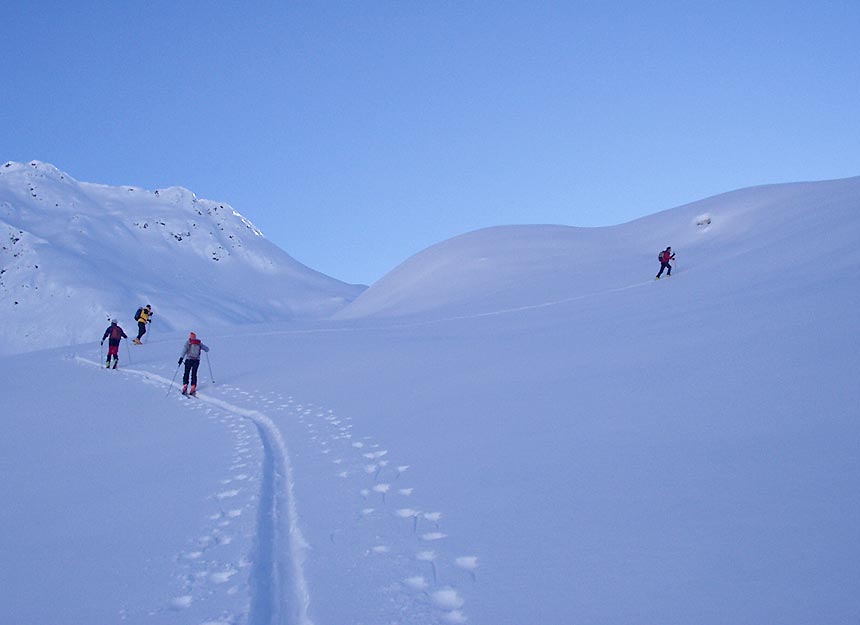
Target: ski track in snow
[(278, 589), (441, 320)]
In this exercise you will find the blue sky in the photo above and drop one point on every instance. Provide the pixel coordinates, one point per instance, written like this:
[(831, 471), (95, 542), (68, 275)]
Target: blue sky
[(355, 134)]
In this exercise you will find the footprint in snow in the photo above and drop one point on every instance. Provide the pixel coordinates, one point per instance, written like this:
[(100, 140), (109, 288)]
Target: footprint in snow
[(449, 599), (222, 577), (181, 603), (433, 517), (417, 582), (429, 557), (469, 564), (382, 488)]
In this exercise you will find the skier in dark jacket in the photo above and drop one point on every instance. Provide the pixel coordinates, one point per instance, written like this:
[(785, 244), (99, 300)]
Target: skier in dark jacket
[(665, 258), (191, 354), (142, 316), (114, 334)]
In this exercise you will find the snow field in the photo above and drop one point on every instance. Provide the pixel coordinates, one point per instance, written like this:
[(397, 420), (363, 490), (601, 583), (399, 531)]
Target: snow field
[(558, 439), (271, 574)]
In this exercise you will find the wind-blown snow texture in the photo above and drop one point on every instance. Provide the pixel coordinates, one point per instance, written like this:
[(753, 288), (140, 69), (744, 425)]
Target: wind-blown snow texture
[(74, 254), (519, 425)]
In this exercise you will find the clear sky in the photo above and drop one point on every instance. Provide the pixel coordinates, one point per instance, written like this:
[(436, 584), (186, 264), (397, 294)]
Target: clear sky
[(357, 133)]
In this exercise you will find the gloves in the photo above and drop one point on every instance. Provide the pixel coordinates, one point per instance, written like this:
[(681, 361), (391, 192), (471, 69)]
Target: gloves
[(180, 362), (103, 342)]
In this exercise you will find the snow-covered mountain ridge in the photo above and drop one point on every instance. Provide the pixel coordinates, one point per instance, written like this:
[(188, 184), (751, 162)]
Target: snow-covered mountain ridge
[(73, 254)]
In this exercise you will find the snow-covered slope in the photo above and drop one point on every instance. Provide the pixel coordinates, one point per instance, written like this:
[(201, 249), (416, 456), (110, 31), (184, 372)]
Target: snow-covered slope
[(543, 445), (74, 254), (515, 266)]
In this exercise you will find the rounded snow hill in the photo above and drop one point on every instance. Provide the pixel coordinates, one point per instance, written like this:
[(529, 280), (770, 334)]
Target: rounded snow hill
[(739, 236)]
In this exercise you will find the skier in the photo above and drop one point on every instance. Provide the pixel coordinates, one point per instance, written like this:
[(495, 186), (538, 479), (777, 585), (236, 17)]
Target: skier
[(191, 354), (665, 257), (114, 334), (142, 316)]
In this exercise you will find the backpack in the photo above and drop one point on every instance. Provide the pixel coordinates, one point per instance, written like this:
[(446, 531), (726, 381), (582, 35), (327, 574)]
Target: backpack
[(137, 314), (194, 349)]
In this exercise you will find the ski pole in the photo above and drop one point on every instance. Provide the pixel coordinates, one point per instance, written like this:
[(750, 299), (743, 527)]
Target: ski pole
[(101, 352), (170, 388), (209, 364), (128, 352)]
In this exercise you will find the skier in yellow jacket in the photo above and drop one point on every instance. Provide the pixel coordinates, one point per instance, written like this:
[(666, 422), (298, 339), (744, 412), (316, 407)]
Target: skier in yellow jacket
[(142, 316)]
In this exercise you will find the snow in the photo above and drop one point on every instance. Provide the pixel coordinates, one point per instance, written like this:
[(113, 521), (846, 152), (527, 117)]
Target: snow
[(548, 435), (76, 254)]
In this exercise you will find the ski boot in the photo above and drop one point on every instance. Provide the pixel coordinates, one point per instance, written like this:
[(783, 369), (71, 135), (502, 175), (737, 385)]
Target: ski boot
[(185, 389), (193, 392)]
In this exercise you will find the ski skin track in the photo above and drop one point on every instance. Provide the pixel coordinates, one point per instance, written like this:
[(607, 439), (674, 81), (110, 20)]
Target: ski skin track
[(441, 320), (280, 590)]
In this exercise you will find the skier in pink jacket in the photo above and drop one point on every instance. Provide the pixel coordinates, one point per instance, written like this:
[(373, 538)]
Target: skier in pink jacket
[(191, 354)]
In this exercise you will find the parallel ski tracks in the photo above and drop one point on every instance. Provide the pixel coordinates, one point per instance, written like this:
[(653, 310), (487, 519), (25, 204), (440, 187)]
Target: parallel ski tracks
[(280, 593)]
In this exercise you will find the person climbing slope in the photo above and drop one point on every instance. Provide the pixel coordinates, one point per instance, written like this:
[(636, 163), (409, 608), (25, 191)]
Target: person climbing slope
[(191, 353), (665, 257), (114, 334), (142, 316)]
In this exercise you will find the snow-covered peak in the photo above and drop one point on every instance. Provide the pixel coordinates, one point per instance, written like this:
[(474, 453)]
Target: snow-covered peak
[(73, 254), (36, 169)]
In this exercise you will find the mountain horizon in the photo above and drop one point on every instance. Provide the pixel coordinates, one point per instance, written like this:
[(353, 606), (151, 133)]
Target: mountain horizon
[(77, 254)]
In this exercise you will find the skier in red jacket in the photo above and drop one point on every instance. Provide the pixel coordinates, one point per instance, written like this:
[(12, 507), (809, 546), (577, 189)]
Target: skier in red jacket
[(665, 258), (114, 334)]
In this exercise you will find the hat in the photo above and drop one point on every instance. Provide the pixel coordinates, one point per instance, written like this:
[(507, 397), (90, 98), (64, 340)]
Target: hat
[(113, 321), (148, 306), (193, 336)]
